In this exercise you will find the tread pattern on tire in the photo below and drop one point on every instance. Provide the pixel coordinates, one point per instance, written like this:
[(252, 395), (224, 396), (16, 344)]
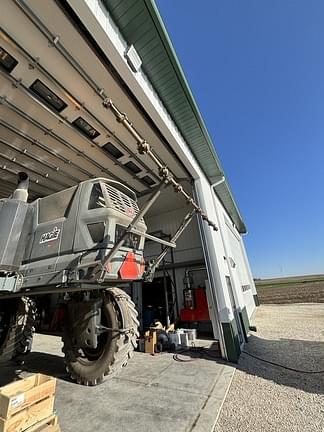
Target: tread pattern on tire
[(20, 334), (126, 313)]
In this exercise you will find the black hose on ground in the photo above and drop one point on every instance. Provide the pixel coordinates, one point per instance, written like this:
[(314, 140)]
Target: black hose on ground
[(282, 366), (201, 352)]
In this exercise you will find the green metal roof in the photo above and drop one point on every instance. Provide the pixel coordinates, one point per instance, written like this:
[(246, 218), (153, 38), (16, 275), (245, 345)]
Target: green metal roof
[(140, 23)]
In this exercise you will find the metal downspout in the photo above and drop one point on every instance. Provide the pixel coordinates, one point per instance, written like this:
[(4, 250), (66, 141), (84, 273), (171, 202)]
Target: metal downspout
[(218, 182)]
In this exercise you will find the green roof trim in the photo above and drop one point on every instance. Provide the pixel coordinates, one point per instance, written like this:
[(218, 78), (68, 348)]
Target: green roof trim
[(140, 23)]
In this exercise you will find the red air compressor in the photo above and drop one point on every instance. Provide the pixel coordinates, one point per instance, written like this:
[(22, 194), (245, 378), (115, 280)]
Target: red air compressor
[(195, 302)]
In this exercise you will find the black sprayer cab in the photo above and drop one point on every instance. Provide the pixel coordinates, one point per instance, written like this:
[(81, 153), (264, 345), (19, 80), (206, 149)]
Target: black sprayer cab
[(65, 237)]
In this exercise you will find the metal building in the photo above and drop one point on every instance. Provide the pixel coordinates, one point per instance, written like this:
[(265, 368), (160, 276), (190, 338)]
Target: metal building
[(59, 61)]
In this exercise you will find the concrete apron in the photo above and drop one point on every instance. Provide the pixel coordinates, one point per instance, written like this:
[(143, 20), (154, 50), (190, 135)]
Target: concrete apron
[(150, 394)]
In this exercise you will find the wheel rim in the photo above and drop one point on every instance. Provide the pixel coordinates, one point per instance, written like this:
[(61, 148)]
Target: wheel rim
[(88, 356)]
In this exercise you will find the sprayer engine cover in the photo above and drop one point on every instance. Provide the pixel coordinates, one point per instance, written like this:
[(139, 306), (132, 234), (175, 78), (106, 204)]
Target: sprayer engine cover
[(66, 236)]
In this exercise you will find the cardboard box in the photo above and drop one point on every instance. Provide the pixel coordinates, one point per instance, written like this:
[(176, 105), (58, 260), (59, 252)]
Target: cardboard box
[(150, 341)]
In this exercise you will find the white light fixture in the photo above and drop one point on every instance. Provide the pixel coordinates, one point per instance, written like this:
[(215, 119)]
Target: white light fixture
[(133, 58)]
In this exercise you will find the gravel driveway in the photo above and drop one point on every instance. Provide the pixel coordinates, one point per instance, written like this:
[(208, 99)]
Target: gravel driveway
[(267, 398)]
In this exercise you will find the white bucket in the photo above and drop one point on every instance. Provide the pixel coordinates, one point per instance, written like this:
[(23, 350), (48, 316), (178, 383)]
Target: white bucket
[(192, 334), (174, 338), (184, 340)]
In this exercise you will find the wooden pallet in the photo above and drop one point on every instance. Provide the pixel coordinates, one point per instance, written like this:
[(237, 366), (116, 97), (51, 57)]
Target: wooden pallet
[(49, 424), (26, 402)]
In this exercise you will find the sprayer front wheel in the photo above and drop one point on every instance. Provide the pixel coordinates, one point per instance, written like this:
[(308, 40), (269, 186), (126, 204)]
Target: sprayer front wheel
[(92, 366)]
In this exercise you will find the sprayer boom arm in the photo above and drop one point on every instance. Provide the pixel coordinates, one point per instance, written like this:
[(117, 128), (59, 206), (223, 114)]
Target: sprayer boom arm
[(145, 148)]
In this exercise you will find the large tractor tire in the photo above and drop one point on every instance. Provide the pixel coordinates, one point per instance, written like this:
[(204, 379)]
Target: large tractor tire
[(17, 327), (92, 366)]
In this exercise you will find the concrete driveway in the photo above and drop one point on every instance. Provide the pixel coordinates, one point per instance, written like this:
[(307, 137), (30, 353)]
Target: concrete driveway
[(153, 393)]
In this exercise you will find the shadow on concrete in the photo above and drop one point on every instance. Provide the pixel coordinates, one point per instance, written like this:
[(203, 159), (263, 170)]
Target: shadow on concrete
[(53, 365), (211, 353), (8, 374), (35, 362), (302, 355)]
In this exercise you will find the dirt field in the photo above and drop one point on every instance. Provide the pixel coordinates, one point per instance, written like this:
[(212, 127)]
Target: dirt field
[(291, 290)]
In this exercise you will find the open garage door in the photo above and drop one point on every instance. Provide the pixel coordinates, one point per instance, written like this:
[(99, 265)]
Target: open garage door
[(60, 100), (239, 266), (163, 220), (53, 124)]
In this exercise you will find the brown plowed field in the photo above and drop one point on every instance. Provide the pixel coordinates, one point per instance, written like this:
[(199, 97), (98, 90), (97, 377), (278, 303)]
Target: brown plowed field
[(298, 292)]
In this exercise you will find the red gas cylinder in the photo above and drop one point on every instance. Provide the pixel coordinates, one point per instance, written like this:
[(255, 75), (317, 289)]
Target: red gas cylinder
[(202, 311), (199, 311)]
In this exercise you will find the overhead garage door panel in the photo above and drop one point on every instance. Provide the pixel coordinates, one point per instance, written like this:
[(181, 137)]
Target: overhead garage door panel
[(45, 143), (240, 266)]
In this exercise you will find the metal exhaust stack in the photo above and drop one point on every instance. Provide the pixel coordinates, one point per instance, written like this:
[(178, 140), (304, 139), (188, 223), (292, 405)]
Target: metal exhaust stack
[(21, 191), (16, 217)]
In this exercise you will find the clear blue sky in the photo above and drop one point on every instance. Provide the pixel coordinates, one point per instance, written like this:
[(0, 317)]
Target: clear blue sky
[(256, 69)]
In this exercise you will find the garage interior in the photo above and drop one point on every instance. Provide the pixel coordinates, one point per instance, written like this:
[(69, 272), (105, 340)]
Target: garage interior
[(54, 127)]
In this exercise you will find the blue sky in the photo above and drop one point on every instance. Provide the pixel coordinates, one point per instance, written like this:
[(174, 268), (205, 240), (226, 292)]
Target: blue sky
[(256, 68)]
